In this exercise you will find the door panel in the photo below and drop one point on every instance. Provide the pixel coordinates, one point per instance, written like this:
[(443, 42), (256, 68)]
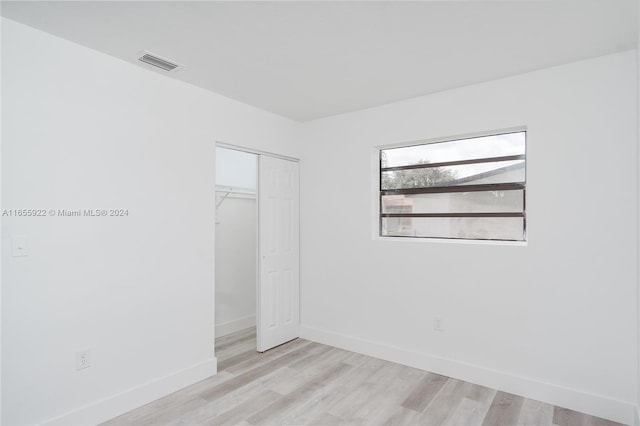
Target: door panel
[(279, 252)]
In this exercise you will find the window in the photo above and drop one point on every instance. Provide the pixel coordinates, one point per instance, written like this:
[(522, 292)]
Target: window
[(461, 189)]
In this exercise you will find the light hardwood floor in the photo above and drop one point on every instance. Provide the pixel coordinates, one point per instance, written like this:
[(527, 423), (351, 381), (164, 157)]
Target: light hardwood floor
[(306, 383)]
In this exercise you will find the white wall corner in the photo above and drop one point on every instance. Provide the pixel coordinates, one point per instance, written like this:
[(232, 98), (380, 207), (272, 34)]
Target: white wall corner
[(120, 403), (235, 325), (596, 405), (637, 411), (0, 240)]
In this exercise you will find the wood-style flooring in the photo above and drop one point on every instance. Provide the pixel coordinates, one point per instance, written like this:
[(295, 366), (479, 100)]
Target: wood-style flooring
[(306, 383)]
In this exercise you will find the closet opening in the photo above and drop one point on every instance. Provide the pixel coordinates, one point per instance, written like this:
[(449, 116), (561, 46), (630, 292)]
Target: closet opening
[(257, 252), (236, 251)]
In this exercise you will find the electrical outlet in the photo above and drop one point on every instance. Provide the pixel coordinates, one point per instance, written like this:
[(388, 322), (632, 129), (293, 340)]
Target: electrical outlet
[(438, 324), (83, 359)]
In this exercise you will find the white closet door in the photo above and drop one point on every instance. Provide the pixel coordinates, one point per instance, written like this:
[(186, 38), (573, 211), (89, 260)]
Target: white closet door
[(278, 313)]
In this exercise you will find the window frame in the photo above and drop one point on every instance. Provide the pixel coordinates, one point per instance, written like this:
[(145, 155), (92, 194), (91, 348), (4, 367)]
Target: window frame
[(379, 192)]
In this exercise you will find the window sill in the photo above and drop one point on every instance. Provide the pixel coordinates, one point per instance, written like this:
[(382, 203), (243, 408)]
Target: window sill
[(451, 241)]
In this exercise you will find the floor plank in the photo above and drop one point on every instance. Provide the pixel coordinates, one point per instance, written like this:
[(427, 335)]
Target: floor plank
[(474, 406), (504, 411), (444, 404), (535, 413), (566, 417), (224, 364), (262, 358), (253, 374), (247, 408), (424, 392), (402, 416), (269, 414)]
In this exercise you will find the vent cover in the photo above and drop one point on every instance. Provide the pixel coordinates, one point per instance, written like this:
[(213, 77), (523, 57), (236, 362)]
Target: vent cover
[(164, 64)]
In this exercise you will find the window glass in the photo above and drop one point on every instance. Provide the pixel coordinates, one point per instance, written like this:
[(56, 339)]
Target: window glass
[(455, 202), (462, 149), (474, 228), (467, 174)]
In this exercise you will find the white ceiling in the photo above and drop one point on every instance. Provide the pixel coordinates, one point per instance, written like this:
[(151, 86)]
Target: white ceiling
[(307, 60)]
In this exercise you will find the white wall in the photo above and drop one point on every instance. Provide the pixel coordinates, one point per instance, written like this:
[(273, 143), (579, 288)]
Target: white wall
[(553, 320), (1, 205), (637, 414), (637, 418), (236, 235), (84, 130), (236, 168)]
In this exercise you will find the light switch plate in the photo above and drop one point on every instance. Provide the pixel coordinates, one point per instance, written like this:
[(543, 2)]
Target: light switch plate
[(20, 246)]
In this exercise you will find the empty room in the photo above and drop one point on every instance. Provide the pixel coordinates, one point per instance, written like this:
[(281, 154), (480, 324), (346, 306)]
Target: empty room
[(320, 213)]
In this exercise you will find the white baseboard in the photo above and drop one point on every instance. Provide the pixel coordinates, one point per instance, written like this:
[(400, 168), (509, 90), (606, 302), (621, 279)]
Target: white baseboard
[(120, 403), (235, 325), (596, 405)]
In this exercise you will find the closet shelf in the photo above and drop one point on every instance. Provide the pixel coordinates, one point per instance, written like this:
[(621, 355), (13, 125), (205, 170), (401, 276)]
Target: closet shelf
[(228, 190)]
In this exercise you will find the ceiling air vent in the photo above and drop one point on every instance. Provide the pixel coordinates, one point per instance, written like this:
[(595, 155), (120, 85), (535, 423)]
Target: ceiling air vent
[(164, 64)]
